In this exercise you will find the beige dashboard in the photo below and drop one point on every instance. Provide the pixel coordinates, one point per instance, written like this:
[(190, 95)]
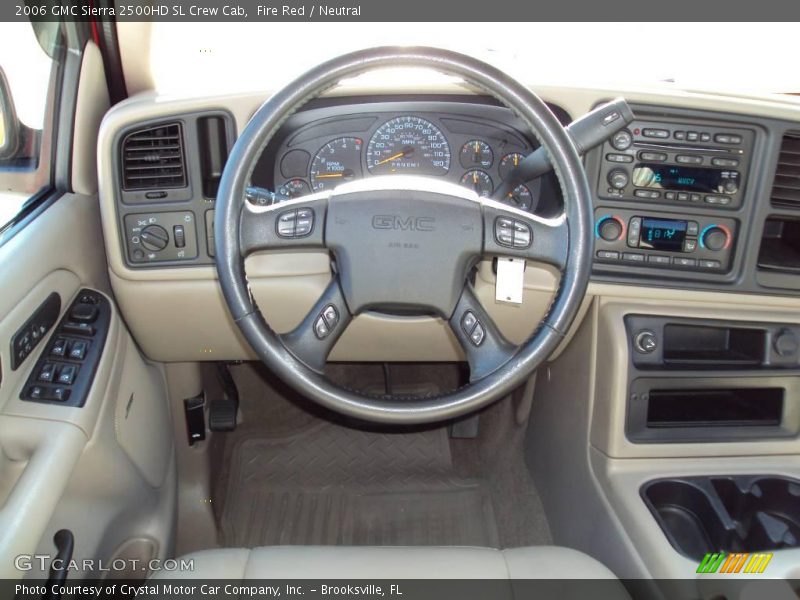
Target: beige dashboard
[(178, 313)]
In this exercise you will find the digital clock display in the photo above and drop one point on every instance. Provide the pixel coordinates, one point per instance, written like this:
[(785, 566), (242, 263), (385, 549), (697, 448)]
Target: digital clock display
[(689, 179), (666, 235)]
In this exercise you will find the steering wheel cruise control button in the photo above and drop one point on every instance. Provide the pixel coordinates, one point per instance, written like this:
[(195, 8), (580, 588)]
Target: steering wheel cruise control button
[(321, 329), (478, 334), (512, 233), (330, 315)]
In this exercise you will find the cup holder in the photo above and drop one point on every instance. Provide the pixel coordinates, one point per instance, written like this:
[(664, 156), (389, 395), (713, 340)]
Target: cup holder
[(726, 513)]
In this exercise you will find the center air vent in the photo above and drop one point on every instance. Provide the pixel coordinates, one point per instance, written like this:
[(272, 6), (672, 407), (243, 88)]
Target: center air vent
[(152, 158), (786, 188)]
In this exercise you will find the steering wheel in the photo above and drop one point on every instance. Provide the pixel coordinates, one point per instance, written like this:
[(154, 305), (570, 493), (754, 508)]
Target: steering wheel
[(403, 243)]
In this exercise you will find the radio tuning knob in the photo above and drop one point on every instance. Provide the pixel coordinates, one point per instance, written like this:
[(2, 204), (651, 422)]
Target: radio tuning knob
[(730, 187), (154, 238), (618, 179), (610, 229), (715, 238)]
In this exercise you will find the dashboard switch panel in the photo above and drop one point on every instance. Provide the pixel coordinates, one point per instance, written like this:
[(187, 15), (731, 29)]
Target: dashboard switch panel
[(65, 371), (159, 237)]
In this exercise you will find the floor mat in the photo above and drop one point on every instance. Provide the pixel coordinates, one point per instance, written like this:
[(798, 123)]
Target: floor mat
[(331, 484)]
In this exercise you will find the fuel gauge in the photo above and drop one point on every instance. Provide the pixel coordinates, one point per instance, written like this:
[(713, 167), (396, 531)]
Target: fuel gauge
[(479, 181), (476, 153)]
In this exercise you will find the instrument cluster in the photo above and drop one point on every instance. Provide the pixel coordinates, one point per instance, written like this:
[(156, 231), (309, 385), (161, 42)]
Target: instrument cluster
[(474, 152)]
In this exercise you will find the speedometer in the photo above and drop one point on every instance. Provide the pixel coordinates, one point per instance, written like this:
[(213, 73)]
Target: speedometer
[(408, 145)]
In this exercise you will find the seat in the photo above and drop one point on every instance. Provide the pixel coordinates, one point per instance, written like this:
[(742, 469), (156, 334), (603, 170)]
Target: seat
[(392, 562)]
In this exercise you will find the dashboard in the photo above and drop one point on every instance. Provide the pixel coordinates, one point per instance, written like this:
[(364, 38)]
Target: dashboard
[(675, 193), (696, 199)]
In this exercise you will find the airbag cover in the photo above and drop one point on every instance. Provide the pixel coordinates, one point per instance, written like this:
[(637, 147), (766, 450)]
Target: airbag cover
[(384, 239)]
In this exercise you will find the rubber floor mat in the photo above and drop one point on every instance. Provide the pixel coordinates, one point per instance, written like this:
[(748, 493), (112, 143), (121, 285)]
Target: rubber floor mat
[(335, 485)]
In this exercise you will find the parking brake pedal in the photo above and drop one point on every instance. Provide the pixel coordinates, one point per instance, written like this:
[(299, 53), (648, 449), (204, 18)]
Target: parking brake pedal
[(223, 411)]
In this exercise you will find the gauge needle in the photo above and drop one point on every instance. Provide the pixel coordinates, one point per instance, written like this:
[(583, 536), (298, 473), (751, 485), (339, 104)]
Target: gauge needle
[(329, 175), (405, 152)]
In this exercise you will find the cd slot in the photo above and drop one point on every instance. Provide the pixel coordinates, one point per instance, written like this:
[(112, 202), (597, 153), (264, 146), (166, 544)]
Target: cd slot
[(686, 148)]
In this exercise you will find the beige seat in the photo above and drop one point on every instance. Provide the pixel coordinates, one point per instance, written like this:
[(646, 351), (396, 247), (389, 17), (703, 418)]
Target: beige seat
[(392, 562)]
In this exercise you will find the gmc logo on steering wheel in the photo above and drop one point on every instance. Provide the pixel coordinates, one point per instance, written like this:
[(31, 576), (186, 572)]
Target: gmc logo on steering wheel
[(403, 223)]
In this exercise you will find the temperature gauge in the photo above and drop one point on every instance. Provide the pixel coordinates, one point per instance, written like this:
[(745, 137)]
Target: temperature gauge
[(476, 153), (294, 188), (478, 181)]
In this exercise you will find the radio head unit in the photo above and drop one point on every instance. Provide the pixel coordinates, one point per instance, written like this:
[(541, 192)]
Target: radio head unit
[(669, 162)]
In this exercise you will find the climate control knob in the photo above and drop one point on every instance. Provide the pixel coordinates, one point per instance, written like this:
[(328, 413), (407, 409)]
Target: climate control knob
[(714, 238), (618, 179), (610, 229), (154, 238)]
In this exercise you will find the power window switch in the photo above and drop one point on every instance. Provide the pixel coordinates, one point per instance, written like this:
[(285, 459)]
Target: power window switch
[(48, 372), (66, 375), (59, 394), (59, 347), (77, 350)]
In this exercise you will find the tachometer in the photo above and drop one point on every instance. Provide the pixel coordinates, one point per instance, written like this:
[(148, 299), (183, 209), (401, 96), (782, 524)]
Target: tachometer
[(408, 145), (336, 162)]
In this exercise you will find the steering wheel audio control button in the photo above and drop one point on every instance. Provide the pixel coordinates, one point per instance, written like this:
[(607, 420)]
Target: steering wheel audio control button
[(286, 223), (305, 222), (512, 233), (468, 322), (473, 328)]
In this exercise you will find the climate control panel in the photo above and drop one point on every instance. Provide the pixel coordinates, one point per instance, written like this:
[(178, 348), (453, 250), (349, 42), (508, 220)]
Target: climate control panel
[(639, 238)]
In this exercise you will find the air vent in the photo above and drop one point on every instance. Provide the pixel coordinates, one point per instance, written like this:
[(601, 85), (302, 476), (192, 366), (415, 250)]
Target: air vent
[(152, 158), (786, 188)]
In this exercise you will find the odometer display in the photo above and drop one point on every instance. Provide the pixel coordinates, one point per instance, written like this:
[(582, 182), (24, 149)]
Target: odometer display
[(409, 145)]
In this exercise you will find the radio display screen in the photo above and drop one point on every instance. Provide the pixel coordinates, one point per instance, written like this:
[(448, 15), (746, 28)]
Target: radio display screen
[(666, 235), (675, 177)]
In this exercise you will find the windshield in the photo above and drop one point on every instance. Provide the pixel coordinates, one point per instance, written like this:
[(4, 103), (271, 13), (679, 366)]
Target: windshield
[(220, 57)]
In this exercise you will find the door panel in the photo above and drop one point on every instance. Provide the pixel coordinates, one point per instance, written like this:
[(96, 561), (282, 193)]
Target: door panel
[(104, 470)]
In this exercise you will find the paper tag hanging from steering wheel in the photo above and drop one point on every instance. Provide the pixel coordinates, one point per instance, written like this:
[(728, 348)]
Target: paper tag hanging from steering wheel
[(510, 273)]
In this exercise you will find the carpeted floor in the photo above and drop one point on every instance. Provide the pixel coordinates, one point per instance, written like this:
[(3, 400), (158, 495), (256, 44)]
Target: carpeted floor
[(293, 474)]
